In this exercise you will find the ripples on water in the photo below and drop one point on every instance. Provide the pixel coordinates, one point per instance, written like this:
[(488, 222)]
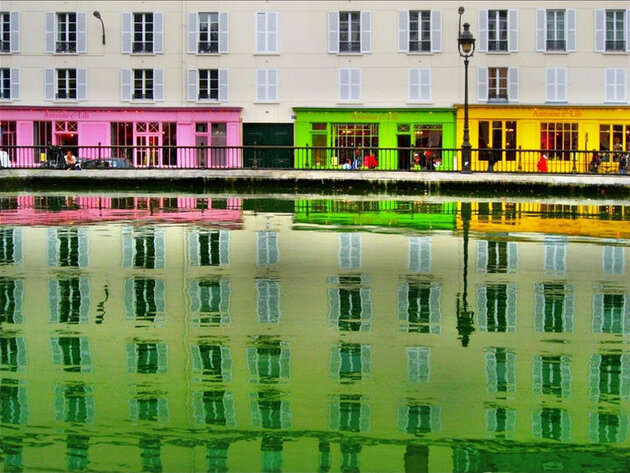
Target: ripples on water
[(185, 334)]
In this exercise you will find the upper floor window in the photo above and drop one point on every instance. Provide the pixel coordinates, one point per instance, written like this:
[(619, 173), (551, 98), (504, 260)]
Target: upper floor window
[(214, 408), (349, 414), (266, 84), (497, 307), (208, 32), (74, 403), (9, 32), (145, 301), (11, 250), (613, 259), (212, 360), (350, 361), (9, 83), (208, 247), (557, 84), (147, 357), (419, 418), (554, 306), (612, 30), (349, 32), (556, 30), (267, 249), (65, 84), (266, 32), (419, 85), (615, 85), (419, 306), (207, 84), (611, 311), (268, 300), (350, 301), (65, 32), (350, 250), (142, 84), (12, 353), (497, 84), (69, 300), (551, 375), (11, 301), (420, 31), (209, 301), (501, 422), (607, 427), (608, 377), (68, 247), (142, 32), (144, 247), (73, 353), (551, 423), (498, 30), (497, 256)]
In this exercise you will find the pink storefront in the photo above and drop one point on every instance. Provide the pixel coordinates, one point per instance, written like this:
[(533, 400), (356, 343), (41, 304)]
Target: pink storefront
[(164, 137)]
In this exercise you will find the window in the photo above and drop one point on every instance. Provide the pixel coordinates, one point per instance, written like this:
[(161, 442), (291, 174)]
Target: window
[(266, 84), (72, 353), (208, 32), (349, 32), (214, 361), (145, 300), (207, 84), (551, 423), (350, 303), (348, 137), (611, 30), (208, 247), (210, 301), (559, 139), (13, 404), (496, 307), (498, 30), (350, 250), (65, 32), (420, 31), (556, 84), (148, 407), (266, 32), (12, 353), (9, 32), (142, 33), (613, 260), (419, 364), (419, 257), (498, 84), (494, 137), (349, 84), (214, 408), (615, 85), (497, 256), (348, 414), (267, 249), (65, 84), (609, 378), (69, 300), (418, 418), (74, 403), (269, 411), (419, 85), (11, 301), (608, 427), (268, 300), (419, 306), (611, 311), (67, 247), (269, 361), (501, 422), (147, 357), (556, 30), (11, 250), (500, 370), (551, 375), (9, 83), (614, 137), (143, 247), (556, 254), (350, 361), (554, 306)]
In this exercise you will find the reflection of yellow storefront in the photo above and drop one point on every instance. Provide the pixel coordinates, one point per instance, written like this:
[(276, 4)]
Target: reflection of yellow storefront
[(567, 135)]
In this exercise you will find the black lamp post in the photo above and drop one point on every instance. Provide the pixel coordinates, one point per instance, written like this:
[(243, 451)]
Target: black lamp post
[(465, 316), (97, 14), (466, 46)]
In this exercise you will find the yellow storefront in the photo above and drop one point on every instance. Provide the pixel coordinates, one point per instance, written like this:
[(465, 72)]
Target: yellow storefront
[(518, 135)]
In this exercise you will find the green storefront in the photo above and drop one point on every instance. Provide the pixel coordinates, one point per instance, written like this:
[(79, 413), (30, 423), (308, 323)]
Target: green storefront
[(328, 137)]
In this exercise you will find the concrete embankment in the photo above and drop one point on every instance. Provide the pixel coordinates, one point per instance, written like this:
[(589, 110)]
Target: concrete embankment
[(322, 181)]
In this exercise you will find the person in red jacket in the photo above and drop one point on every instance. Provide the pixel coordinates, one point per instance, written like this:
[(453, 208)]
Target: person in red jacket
[(542, 163)]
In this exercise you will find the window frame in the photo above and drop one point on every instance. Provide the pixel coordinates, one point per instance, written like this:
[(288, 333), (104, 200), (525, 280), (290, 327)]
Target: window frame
[(127, 85), (194, 33), (615, 85), (556, 84), (266, 32), (334, 33), (9, 83), (484, 30), (601, 31), (350, 84), (129, 32), (266, 85), (52, 31), (9, 32)]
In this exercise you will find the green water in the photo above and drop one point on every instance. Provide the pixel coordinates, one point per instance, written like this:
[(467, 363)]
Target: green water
[(194, 333)]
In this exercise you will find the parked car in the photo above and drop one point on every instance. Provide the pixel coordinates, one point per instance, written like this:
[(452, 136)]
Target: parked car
[(106, 163)]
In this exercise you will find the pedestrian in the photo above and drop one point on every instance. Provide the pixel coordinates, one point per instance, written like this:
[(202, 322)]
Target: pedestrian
[(542, 163), (593, 165)]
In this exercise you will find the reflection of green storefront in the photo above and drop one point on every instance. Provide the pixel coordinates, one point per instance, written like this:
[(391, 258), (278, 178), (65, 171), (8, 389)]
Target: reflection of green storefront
[(387, 213), (334, 135)]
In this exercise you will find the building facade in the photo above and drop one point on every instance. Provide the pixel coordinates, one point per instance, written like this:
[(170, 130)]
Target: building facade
[(365, 74)]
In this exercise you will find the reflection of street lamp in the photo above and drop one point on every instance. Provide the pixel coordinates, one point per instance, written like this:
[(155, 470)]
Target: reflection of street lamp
[(98, 15), (464, 315), (466, 46)]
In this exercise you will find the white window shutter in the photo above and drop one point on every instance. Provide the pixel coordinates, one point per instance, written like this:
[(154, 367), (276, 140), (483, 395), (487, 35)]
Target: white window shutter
[(193, 85), (82, 84), (414, 85), (609, 85), (628, 30), (193, 33), (14, 32), (425, 85), (81, 32), (261, 82), (158, 85), (333, 32), (272, 31), (224, 25), (272, 84), (223, 85), (550, 87), (355, 90), (49, 84), (125, 85), (599, 31), (436, 31), (158, 33), (49, 32), (483, 31), (126, 33), (513, 85), (15, 84), (260, 30), (622, 85), (366, 31), (513, 30), (562, 83), (403, 31), (571, 30), (344, 84), (541, 30), (482, 84)]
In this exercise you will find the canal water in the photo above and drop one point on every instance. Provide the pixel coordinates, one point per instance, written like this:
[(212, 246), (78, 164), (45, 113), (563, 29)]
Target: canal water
[(170, 333)]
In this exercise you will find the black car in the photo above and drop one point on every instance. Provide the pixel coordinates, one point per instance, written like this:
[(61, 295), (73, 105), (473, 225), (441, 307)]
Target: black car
[(106, 163)]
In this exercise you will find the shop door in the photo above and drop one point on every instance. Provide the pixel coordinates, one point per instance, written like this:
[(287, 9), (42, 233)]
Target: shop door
[(404, 155), (268, 134), (147, 149)]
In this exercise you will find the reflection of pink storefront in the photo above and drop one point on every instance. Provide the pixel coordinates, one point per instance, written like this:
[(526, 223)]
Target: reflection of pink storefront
[(164, 137)]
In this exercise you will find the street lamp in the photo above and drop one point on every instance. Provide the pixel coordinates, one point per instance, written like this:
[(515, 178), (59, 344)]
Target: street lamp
[(97, 15), (465, 316), (466, 46)]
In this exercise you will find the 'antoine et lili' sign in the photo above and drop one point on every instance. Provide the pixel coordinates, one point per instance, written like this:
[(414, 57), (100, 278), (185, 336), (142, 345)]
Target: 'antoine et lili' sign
[(66, 114)]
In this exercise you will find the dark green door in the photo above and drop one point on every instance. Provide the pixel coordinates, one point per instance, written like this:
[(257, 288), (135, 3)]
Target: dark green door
[(268, 134)]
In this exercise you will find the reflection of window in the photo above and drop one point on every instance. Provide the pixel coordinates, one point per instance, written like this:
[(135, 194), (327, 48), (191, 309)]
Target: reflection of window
[(11, 250), (350, 303), (269, 361), (148, 408), (611, 311), (68, 247), (11, 300), (496, 307), (144, 247), (12, 353), (613, 260), (69, 300), (147, 357), (419, 306), (350, 250), (349, 414), (268, 300), (210, 301), (212, 360), (13, 403), (350, 361), (267, 249), (269, 411), (214, 408), (419, 364), (349, 32), (500, 370), (145, 300), (551, 423), (608, 427), (419, 418), (555, 253), (552, 375), (419, 254), (501, 422), (497, 256), (554, 306), (74, 403), (73, 353), (208, 247), (609, 377)]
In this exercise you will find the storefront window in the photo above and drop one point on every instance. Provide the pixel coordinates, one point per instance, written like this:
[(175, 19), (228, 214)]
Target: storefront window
[(614, 138), (428, 136), (217, 136), (348, 137), (122, 139), (497, 135), (42, 138), (559, 139)]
